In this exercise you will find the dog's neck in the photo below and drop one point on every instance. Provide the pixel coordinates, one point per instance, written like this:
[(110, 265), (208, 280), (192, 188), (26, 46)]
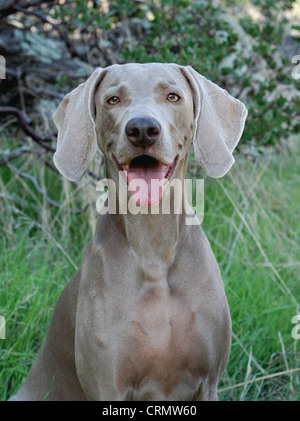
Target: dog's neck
[(153, 239), (153, 235)]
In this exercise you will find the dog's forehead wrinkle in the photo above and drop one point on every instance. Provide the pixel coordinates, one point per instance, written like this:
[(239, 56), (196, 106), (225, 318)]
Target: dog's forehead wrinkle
[(120, 88), (166, 85), (144, 75)]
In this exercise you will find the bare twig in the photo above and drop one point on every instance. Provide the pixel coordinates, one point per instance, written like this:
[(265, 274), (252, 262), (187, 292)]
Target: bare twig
[(35, 182), (14, 154), (8, 7), (41, 191), (42, 141)]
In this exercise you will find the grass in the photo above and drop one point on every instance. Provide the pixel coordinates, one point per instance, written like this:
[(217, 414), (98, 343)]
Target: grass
[(251, 220)]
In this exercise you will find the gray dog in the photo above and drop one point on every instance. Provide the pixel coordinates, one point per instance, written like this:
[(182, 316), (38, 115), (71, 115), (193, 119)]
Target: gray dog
[(146, 316)]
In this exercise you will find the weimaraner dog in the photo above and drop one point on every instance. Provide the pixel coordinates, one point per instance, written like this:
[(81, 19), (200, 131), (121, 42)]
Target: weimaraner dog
[(146, 316)]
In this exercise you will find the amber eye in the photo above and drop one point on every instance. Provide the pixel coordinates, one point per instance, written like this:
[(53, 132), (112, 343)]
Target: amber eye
[(113, 100), (173, 97)]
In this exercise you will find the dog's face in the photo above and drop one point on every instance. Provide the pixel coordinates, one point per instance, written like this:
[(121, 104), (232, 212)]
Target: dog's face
[(144, 117), (144, 124)]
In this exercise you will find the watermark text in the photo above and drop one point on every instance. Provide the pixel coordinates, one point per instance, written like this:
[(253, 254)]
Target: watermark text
[(296, 69), (2, 327), (2, 67), (165, 197), (296, 329)]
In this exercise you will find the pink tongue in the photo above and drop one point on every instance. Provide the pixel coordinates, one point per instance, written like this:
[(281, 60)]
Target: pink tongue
[(146, 184)]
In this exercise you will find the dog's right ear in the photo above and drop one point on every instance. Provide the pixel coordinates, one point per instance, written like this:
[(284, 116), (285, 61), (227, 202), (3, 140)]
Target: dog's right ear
[(219, 123), (75, 121)]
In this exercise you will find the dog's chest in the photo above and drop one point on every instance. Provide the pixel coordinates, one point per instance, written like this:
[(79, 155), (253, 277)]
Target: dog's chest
[(160, 347)]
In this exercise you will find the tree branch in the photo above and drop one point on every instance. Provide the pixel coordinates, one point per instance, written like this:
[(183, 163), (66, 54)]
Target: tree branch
[(8, 7), (14, 154), (27, 129), (42, 141)]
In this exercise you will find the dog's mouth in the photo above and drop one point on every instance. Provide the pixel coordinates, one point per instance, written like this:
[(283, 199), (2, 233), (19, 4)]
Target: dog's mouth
[(146, 177)]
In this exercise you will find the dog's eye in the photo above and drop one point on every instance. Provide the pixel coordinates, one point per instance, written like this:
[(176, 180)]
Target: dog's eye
[(113, 100), (173, 97)]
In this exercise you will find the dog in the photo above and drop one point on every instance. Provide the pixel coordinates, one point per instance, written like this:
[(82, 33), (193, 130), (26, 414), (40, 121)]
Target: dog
[(146, 316)]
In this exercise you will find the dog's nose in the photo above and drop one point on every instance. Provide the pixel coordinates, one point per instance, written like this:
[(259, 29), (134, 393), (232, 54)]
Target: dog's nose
[(142, 131)]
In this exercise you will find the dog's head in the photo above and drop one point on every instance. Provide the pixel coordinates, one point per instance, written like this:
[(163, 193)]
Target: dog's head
[(144, 118)]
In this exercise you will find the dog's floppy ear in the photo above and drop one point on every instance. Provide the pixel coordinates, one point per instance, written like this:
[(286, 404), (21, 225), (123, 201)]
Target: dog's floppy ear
[(75, 121), (219, 123)]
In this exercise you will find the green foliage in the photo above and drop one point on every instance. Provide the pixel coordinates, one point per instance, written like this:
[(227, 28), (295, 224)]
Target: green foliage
[(270, 122), (185, 37)]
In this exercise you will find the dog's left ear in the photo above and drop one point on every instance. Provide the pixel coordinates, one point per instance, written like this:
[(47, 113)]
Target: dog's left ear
[(219, 123), (75, 121)]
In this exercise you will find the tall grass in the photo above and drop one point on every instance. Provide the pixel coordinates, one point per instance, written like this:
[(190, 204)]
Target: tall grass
[(252, 223), (251, 220)]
